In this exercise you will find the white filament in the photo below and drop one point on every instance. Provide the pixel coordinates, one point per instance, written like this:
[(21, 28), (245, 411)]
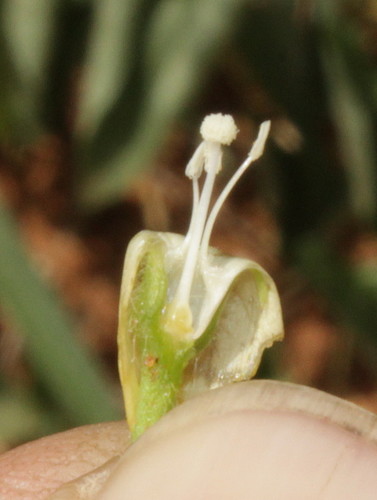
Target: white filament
[(216, 130), (197, 227), (255, 153)]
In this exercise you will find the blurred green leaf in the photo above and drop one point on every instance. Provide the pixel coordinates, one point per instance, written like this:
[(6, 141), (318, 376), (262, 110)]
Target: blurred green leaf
[(72, 376), (62, 76), (159, 88), (23, 418), (108, 62), (26, 29), (280, 52), (350, 110)]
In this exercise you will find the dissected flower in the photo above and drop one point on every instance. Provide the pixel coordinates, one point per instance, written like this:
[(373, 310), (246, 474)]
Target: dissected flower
[(190, 318)]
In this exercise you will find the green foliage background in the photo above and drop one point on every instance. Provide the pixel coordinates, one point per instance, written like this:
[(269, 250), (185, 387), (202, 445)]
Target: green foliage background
[(132, 69)]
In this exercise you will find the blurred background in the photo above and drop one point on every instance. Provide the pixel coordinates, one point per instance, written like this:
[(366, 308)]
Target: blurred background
[(100, 105)]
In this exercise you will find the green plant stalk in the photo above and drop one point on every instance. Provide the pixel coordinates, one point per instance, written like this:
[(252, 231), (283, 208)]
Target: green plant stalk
[(162, 358), (71, 375)]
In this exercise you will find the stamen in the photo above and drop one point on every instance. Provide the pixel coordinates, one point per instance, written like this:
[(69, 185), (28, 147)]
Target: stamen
[(213, 158), (216, 130), (255, 153), (195, 166), (193, 171)]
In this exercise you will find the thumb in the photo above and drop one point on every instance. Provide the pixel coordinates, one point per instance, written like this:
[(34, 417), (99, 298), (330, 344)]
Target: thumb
[(259, 439)]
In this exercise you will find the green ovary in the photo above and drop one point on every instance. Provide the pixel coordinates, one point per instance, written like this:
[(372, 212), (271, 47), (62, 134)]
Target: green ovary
[(161, 357)]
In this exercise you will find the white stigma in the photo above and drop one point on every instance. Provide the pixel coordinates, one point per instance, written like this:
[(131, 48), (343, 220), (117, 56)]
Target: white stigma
[(216, 130)]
